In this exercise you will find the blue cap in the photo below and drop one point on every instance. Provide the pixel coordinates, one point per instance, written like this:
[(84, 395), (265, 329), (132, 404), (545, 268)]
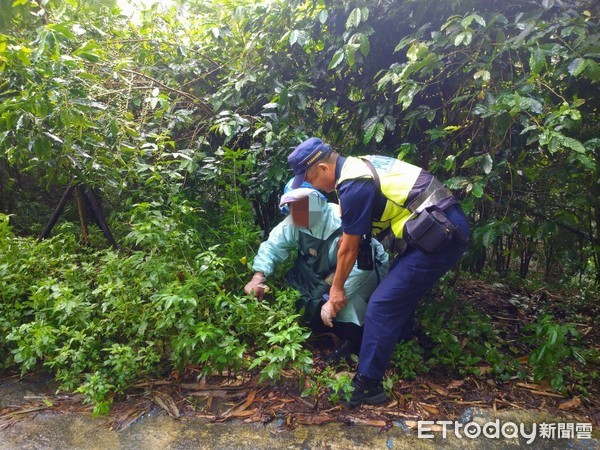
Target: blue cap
[(304, 156)]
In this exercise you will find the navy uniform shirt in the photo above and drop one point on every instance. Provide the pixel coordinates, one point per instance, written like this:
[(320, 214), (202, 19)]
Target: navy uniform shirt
[(361, 200)]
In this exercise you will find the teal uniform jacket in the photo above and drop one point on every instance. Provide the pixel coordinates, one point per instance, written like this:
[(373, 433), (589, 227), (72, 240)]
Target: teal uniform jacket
[(316, 259)]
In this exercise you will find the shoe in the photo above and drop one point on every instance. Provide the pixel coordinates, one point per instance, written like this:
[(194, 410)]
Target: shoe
[(367, 390)]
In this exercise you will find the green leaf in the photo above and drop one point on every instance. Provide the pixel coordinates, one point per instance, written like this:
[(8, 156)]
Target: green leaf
[(593, 70), (417, 50), (62, 29), (403, 43), (468, 37), (571, 143), (487, 164), (365, 13), (354, 18), (365, 45), (294, 36), (407, 94), (379, 132), (323, 15), (576, 66), (351, 54), (390, 122), (547, 4), (470, 162), (480, 20), (451, 21), (89, 51), (370, 126), (338, 57), (460, 37), (536, 106), (537, 61), (489, 236), (466, 22)]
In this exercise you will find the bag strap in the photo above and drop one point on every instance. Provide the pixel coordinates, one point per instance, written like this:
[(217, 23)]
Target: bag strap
[(374, 172)]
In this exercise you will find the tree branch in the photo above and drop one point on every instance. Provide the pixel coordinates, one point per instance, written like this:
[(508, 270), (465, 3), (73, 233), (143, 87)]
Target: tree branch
[(573, 230), (187, 95)]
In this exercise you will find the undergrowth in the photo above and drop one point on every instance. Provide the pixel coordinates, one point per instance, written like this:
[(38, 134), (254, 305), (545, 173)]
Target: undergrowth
[(101, 320)]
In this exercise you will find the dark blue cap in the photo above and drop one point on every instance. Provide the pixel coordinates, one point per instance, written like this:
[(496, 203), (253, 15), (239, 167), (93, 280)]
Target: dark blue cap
[(304, 156)]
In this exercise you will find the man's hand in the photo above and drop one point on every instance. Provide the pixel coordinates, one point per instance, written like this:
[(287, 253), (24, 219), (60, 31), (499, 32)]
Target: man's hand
[(257, 286), (327, 314)]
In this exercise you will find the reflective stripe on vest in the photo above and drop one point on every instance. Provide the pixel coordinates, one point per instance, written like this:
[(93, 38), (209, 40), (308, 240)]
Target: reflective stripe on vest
[(397, 179)]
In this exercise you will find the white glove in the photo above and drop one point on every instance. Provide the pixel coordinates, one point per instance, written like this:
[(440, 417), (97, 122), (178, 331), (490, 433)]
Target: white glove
[(257, 287), (327, 314)]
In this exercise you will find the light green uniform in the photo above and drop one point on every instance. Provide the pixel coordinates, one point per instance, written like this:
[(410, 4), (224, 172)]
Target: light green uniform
[(317, 257)]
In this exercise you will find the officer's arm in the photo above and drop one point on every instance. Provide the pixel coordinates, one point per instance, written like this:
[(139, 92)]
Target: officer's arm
[(346, 257)]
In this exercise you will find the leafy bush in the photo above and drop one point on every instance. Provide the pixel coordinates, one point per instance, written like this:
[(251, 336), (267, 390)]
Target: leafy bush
[(556, 352), (408, 360), (100, 320), (336, 386), (284, 346), (457, 334), (183, 125)]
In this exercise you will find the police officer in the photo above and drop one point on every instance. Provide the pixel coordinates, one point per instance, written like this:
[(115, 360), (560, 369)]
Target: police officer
[(388, 197)]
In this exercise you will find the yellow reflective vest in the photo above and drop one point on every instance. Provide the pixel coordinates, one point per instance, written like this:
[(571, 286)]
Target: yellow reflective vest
[(397, 179)]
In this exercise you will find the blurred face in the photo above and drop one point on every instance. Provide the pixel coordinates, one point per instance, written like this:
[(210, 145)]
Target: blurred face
[(306, 212), (321, 176), (299, 211)]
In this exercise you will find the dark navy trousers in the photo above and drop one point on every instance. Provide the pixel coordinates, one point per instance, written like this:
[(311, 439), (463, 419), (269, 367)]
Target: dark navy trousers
[(391, 308)]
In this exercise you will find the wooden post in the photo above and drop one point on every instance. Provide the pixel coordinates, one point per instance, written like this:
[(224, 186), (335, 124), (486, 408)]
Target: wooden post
[(80, 208), (97, 210), (59, 209)]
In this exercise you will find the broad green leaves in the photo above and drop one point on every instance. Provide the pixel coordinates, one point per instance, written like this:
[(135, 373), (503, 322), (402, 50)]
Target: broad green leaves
[(499, 99), (537, 60), (504, 131), (463, 37), (373, 128), (356, 17), (338, 57), (577, 66), (417, 51)]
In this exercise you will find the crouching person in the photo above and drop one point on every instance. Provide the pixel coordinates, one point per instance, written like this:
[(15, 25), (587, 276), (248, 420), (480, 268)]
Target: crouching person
[(313, 230)]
